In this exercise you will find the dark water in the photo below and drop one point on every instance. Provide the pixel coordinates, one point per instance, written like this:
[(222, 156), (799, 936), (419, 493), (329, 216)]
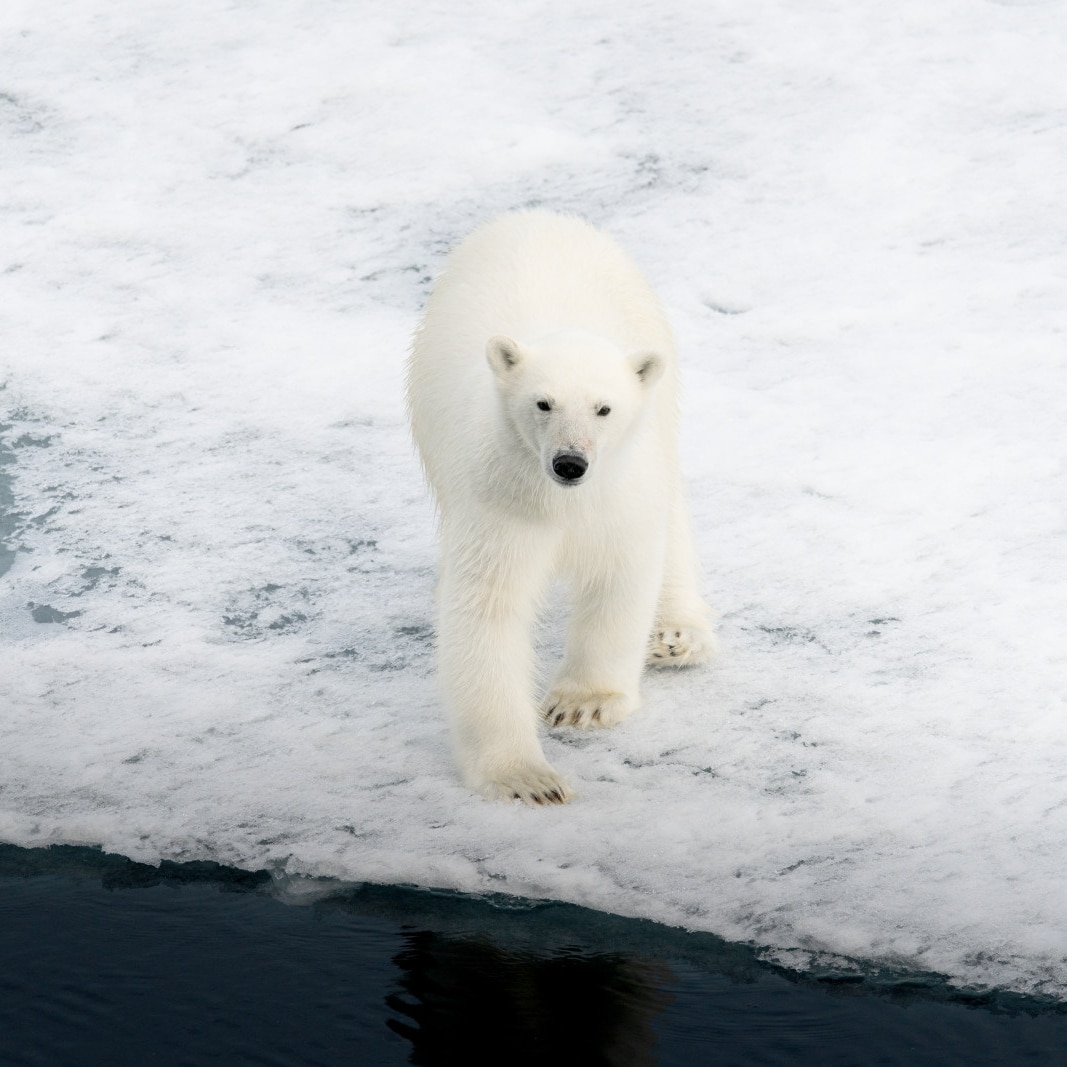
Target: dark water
[(104, 961)]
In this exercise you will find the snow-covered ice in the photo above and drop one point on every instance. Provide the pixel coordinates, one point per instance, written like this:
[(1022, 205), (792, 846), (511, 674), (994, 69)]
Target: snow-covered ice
[(217, 225)]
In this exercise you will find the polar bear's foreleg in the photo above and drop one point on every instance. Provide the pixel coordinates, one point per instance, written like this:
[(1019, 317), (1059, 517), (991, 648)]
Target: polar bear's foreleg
[(487, 604), (599, 682), (682, 632)]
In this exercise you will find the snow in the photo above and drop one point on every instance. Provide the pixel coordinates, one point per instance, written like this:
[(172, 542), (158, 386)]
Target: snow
[(218, 225)]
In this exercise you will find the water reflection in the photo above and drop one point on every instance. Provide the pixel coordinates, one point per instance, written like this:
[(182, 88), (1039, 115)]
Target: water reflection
[(464, 1000), (103, 955)]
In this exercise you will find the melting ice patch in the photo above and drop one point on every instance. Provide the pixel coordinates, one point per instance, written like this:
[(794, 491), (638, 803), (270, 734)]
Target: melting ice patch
[(218, 558)]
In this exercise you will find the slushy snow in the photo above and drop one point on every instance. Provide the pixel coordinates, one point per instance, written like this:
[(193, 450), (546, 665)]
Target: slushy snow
[(217, 228)]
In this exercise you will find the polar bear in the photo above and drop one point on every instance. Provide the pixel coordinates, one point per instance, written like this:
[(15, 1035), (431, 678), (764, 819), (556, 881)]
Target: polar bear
[(542, 391)]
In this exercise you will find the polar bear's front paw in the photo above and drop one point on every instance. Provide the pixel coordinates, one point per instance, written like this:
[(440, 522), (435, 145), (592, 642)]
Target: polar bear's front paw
[(679, 646), (571, 705), (532, 784)]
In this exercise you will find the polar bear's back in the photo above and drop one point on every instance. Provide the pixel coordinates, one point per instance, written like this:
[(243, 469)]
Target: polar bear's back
[(534, 272)]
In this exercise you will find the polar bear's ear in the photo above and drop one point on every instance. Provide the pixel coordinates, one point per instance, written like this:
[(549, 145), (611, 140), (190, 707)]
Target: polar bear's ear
[(504, 355), (648, 366)]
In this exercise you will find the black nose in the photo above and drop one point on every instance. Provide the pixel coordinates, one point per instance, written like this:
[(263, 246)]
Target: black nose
[(569, 466)]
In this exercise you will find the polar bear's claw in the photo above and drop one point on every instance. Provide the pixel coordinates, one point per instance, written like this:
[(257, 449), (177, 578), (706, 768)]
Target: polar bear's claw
[(573, 706), (533, 786), (679, 646)]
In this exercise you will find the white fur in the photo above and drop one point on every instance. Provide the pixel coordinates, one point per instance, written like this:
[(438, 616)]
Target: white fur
[(532, 309)]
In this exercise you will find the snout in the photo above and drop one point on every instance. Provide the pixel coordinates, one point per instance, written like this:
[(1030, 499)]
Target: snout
[(568, 467)]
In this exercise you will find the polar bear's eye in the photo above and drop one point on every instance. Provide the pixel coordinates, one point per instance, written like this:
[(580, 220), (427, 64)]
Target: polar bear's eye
[(602, 411), (544, 405)]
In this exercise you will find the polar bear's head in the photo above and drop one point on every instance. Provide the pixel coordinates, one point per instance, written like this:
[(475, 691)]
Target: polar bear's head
[(571, 397)]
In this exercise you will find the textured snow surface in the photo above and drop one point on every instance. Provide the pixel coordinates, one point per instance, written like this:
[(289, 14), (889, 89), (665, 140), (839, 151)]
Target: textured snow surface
[(217, 226)]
